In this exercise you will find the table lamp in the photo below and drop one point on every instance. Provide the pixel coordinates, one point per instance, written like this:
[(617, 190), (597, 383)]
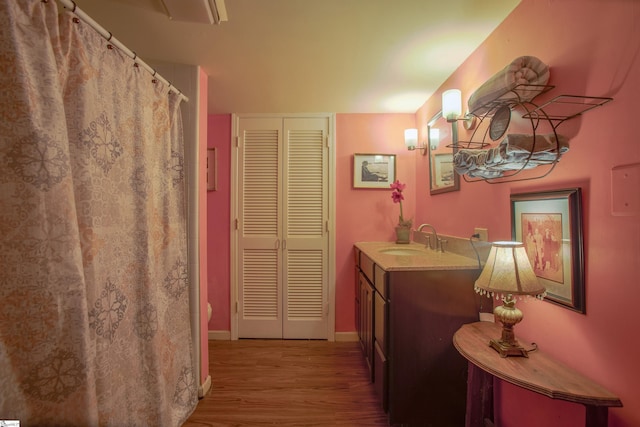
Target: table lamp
[(506, 273)]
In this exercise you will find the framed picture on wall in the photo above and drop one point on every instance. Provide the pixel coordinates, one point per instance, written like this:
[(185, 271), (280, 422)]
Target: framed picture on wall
[(550, 226), (373, 170), (212, 163), (442, 173), (442, 176)]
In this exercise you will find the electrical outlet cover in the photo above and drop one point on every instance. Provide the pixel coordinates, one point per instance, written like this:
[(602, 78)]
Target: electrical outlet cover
[(483, 234), (625, 197)]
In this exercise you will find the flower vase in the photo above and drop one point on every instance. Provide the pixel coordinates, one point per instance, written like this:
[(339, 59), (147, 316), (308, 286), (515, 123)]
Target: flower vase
[(403, 234)]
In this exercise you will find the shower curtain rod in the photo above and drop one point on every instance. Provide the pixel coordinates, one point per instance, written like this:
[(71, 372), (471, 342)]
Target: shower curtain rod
[(70, 4)]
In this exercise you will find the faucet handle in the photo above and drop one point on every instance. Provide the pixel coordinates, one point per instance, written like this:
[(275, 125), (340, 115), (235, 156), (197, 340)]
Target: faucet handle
[(443, 244)]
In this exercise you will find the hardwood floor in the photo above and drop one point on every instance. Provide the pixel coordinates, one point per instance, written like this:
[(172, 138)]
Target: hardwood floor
[(288, 383)]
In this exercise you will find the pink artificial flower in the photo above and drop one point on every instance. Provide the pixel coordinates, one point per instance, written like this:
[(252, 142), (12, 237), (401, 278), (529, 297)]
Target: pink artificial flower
[(398, 186), (397, 197)]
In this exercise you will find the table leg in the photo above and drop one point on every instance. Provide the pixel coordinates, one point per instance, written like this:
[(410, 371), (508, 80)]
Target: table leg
[(597, 416), (479, 397)]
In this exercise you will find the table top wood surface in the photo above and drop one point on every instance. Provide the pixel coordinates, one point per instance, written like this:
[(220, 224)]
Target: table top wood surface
[(538, 372)]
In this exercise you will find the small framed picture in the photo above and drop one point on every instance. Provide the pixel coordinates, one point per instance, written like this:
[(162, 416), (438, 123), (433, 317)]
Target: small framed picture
[(212, 163), (374, 170), (550, 226), (443, 173), (442, 176)]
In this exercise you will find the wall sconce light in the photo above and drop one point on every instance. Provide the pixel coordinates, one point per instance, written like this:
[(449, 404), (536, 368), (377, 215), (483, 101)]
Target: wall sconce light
[(452, 109), (411, 141), (434, 138), (451, 104)]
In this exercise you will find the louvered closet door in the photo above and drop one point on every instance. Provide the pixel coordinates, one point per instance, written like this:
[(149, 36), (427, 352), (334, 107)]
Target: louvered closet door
[(259, 240), (305, 233), (283, 241)]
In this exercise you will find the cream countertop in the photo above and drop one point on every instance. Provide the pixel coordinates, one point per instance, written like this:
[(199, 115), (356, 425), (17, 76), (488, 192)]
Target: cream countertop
[(425, 259)]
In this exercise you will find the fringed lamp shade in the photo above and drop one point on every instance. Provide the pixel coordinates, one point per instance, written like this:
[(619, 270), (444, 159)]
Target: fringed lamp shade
[(506, 273)]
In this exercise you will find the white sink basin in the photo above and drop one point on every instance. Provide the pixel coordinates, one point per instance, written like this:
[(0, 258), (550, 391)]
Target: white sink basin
[(402, 251)]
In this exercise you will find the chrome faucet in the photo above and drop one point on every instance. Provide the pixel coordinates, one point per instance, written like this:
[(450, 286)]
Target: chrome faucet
[(436, 239)]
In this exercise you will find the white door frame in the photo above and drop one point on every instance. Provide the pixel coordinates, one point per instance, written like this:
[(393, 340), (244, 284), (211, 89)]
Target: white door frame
[(233, 244)]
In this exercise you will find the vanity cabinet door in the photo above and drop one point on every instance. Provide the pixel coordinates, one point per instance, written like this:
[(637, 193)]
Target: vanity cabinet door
[(381, 322), (381, 349), (358, 306), (358, 292), (366, 321), (381, 367)]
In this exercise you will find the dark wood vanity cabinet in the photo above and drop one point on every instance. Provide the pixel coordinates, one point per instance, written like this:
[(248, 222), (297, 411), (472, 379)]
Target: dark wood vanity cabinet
[(381, 336), (417, 372), (364, 307), (366, 321)]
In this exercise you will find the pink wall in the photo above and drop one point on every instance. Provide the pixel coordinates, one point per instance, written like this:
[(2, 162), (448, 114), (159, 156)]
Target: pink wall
[(592, 49), (366, 214), (218, 237)]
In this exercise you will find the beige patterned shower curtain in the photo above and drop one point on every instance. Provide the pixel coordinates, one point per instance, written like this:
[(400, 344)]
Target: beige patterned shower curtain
[(94, 310)]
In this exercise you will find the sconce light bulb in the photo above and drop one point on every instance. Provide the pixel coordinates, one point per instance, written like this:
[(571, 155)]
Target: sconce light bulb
[(411, 138), (434, 138), (452, 104)]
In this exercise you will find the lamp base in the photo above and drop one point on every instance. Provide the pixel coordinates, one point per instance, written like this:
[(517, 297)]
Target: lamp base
[(509, 316), (506, 349)]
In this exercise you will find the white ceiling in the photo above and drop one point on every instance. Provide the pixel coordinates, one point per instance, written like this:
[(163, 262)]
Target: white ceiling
[(292, 56)]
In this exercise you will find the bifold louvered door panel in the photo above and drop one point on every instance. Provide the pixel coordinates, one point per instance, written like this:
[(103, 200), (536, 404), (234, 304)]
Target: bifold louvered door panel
[(283, 241), (259, 243), (306, 214)]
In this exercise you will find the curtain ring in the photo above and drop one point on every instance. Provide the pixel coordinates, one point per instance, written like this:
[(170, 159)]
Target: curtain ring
[(75, 6), (110, 36)]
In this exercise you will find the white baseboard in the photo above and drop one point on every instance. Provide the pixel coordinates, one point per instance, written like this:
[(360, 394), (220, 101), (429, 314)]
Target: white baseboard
[(204, 387), (339, 336), (346, 336), (220, 335)]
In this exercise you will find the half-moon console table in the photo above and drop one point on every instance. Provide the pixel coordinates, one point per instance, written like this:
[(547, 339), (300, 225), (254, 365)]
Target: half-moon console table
[(538, 373)]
